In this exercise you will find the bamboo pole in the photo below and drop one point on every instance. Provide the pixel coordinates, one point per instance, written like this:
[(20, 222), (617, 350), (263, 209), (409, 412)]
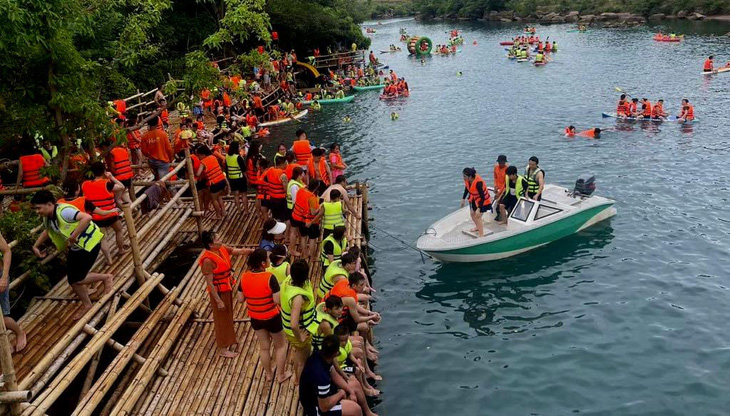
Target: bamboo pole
[(16, 396), (116, 346), (24, 191), (153, 255), (23, 277), (67, 375), (95, 361), (134, 243), (150, 183), (6, 359), (35, 230), (193, 190), (167, 177), (154, 220)]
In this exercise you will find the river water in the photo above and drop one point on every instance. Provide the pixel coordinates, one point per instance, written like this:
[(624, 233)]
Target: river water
[(628, 317)]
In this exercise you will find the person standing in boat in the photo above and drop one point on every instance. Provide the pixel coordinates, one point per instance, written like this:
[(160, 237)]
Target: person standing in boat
[(515, 188), (475, 190), (535, 179), (500, 169)]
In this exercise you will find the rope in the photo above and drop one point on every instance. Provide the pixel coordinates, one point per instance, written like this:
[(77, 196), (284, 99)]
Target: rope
[(405, 244)]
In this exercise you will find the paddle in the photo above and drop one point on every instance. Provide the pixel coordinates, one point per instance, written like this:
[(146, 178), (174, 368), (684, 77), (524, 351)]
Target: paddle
[(622, 91)]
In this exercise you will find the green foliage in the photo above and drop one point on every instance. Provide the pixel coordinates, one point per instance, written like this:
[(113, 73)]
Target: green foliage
[(238, 21), (199, 74), (17, 226)]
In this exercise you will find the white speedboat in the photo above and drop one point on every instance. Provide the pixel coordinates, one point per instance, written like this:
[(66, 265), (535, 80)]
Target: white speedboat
[(531, 224)]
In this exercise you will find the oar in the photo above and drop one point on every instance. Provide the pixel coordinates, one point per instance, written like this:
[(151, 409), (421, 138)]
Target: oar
[(622, 91)]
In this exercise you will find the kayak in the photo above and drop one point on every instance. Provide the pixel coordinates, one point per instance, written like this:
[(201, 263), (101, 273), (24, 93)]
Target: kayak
[(655, 120), (506, 43), (392, 97), (576, 30), (369, 87), (716, 71), (511, 57), (347, 99), (285, 120), (667, 39), (539, 63), (523, 60), (397, 50)]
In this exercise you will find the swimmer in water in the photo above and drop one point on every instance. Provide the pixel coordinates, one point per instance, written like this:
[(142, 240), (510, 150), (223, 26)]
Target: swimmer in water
[(458, 74), (394, 116), (347, 119)]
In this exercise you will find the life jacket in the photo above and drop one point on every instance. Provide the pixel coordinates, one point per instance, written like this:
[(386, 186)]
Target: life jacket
[(339, 248), (226, 100), (319, 317), (274, 186), (303, 151), (49, 156), (708, 65), (121, 107), (222, 277), (96, 192), (689, 114), (588, 133), (568, 132), (121, 165), (134, 139), (279, 271), (251, 120), (518, 190), (78, 202), (213, 172), (532, 183), (332, 215), (344, 352), (632, 108), (259, 298), (338, 158), (343, 290), (306, 313), (86, 240), (658, 110), (646, 107), (289, 199), (302, 211), (289, 171), (622, 107), (308, 97), (499, 175), (263, 186), (196, 164), (232, 168), (205, 95), (474, 192), (321, 170), (252, 171), (32, 165)]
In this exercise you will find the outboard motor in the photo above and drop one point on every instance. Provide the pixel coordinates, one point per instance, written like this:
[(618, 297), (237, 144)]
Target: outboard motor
[(585, 185)]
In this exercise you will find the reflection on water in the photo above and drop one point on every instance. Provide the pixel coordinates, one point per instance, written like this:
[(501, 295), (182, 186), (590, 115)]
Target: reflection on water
[(496, 297)]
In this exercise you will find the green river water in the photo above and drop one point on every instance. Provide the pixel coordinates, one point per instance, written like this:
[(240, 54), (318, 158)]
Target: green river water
[(627, 317)]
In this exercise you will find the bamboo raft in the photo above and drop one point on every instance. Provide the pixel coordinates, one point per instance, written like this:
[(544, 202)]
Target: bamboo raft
[(169, 365)]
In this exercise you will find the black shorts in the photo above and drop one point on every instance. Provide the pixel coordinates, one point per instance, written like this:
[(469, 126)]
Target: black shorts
[(278, 209), (200, 185), (509, 201), (79, 263), (238, 184), (217, 187), (107, 222), (349, 366), (316, 412), (482, 209), (532, 195), (326, 233), (273, 325), (349, 322), (312, 231), (127, 183)]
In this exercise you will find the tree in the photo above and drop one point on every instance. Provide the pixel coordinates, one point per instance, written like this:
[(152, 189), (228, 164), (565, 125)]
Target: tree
[(238, 21)]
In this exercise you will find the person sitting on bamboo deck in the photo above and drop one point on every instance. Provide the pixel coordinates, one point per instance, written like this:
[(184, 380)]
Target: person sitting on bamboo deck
[(356, 317), (272, 229), (279, 265), (102, 191), (351, 358), (236, 177), (327, 315), (67, 227), (260, 290), (297, 314), (338, 270), (304, 218), (6, 256), (323, 391), (331, 213), (333, 246), (215, 179), (215, 264), (341, 185), (72, 192)]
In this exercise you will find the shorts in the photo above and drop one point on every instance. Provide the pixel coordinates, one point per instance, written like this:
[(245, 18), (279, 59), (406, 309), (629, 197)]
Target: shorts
[(127, 183), (200, 185), (296, 343), (349, 322), (278, 209), (217, 187), (336, 410), (509, 202), (272, 325), (531, 195), (238, 184), (326, 233), (107, 222), (312, 231), (482, 209), (349, 367), (79, 263), (5, 300)]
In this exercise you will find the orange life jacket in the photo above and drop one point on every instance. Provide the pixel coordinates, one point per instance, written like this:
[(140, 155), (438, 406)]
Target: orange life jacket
[(289, 171), (259, 298), (500, 173), (474, 192), (708, 65), (213, 171), (134, 139), (632, 108), (320, 172), (96, 192), (343, 290), (263, 185), (303, 151), (658, 110), (646, 109), (196, 165), (32, 165), (226, 99), (78, 202), (274, 187), (252, 171), (567, 132), (222, 278), (622, 107), (301, 211), (588, 133), (121, 165), (689, 114), (308, 97), (121, 107), (251, 120)]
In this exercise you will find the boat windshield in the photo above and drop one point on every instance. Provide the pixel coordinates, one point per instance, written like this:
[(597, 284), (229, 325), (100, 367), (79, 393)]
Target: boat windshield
[(522, 210), (545, 211)]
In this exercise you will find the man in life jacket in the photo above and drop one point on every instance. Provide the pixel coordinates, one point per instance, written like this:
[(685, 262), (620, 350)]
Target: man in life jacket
[(120, 165), (633, 108), (354, 316), (69, 228), (708, 67), (515, 188), (570, 131), (622, 108), (318, 168), (645, 108), (535, 179), (103, 192), (276, 183), (49, 151), (302, 148), (658, 111), (688, 112), (373, 60), (476, 192), (499, 173), (29, 171), (593, 133)]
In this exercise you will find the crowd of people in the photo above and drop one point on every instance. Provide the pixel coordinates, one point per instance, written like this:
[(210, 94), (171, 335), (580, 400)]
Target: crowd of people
[(644, 109)]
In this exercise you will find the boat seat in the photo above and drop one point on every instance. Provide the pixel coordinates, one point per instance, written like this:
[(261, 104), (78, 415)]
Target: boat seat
[(475, 235)]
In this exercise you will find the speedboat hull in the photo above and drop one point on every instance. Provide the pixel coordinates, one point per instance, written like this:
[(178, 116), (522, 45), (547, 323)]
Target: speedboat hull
[(451, 239)]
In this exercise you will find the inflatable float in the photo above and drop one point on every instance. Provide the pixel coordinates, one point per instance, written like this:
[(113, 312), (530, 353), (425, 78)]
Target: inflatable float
[(369, 87), (716, 71), (660, 38), (347, 99), (285, 119), (655, 120), (419, 45)]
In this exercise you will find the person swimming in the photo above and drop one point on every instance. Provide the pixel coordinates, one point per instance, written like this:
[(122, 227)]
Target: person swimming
[(394, 116)]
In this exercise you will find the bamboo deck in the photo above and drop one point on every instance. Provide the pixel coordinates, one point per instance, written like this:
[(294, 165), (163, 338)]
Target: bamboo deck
[(169, 366)]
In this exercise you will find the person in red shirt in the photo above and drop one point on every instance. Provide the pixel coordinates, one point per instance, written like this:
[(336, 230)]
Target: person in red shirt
[(157, 148)]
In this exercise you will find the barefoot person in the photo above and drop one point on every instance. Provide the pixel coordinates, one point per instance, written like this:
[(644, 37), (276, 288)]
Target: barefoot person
[(475, 190), (102, 191), (215, 264), (67, 227), (5, 258), (297, 314), (260, 290)]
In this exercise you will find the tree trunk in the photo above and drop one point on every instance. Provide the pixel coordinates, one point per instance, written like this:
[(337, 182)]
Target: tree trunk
[(58, 116)]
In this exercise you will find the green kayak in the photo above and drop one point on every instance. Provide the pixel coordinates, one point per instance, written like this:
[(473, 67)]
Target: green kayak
[(347, 99), (577, 30), (369, 87)]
